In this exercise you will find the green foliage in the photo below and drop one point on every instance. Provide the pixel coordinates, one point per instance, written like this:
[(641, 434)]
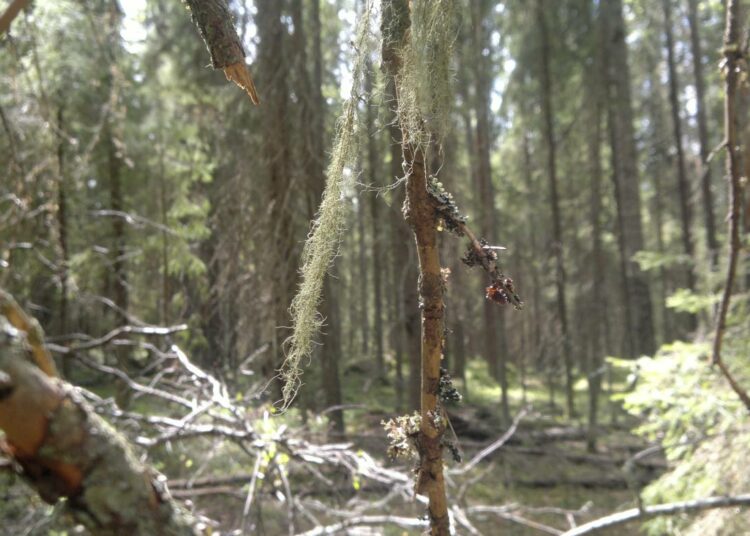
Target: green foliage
[(687, 407), (685, 301), (655, 260)]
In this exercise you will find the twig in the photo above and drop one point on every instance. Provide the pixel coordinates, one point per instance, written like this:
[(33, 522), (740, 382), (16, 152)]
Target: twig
[(493, 447), (733, 55), (122, 330), (510, 515), (405, 522), (6, 19), (620, 518)]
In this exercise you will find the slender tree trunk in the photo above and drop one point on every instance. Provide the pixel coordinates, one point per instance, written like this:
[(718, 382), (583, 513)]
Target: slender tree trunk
[(683, 186), (549, 134), (494, 321), (656, 169), (639, 319), (62, 225), (376, 229), (116, 204), (405, 269), (362, 280), (598, 309), (272, 66), (163, 208), (712, 243)]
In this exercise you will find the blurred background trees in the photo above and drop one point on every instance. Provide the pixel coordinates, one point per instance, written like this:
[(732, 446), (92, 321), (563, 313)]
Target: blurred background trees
[(140, 188)]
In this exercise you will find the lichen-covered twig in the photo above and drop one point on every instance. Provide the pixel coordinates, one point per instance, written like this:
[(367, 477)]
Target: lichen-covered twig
[(501, 289)]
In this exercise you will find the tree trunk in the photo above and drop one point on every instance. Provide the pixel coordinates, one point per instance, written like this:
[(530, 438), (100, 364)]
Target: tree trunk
[(405, 269), (376, 229), (712, 243), (62, 229), (549, 134), (313, 154), (272, 52), (598, 308), (494, 321), (362, 280), (627, 183), (116, 205), (683, 186)]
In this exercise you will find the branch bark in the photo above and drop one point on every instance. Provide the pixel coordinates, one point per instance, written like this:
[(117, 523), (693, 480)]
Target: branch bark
[(419, 211), (214, 22), (65, 450), (733, 56), (7, 18)]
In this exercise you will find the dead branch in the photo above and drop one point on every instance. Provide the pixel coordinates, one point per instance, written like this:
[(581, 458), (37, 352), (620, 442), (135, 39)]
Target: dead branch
[(634, 514), (404, 522), (487, 451), (12, 11), (214, 22), (733, 57), (66, 450)]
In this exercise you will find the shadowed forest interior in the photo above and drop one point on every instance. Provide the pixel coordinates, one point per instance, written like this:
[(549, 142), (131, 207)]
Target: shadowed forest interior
[(374, 267)]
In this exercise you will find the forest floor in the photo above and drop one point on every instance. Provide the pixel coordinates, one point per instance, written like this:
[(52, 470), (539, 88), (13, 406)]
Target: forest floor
[(545, 467)]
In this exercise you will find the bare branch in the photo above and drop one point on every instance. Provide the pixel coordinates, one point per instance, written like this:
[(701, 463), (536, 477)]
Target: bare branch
[(620, 518)]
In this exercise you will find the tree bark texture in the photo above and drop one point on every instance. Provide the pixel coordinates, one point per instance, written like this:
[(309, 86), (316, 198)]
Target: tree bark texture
[(310, 82), (598, 307), (627, 183), (700, 96), (683, 185), (273, 64), (64, 449), (549, 134), (494, 321), (214, 22)]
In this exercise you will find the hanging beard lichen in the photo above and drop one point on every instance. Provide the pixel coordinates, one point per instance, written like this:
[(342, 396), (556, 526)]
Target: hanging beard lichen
[(425, 94), (322, 243)]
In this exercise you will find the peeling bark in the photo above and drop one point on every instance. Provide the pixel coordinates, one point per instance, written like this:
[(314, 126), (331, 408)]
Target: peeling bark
[(214, 22)]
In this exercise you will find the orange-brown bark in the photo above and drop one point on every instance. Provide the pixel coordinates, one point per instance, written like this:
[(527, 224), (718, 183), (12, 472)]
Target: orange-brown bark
[(65, 450), (421, 214)]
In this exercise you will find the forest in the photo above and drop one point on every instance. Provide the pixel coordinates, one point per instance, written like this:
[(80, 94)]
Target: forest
[(374, 267)]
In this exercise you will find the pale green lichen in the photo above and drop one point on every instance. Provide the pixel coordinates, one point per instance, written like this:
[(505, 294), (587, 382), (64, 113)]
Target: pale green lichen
[(425, 91), (323, 241)]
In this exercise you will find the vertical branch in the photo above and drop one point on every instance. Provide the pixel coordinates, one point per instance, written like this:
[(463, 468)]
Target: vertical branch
[(419, 212), (732, 57)]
